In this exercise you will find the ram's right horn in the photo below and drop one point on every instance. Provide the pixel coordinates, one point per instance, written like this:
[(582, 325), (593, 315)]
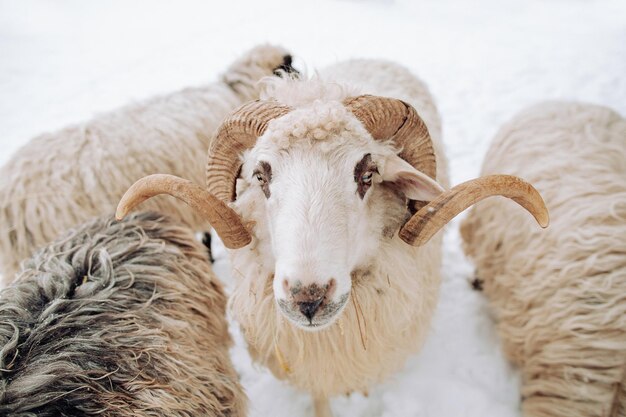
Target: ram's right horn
[(226, 222), (436, 214)]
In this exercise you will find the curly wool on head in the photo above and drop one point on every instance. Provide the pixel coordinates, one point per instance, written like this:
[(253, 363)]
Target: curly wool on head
[(118, 319), (61, 179), (318, 114), (559, 295), (328, 126), (318, 121)]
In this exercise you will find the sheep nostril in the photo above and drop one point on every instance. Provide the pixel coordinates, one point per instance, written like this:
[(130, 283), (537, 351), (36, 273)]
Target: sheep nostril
[(310, 308)]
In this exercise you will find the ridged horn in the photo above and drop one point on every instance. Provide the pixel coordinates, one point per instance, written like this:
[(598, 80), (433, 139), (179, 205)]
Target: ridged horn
[(226, 222), (436, 214), (389, 118), (237, 133)]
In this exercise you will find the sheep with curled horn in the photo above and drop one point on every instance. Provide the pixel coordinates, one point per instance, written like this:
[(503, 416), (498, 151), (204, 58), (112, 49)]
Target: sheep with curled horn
[(61, 179), (330, 197), (118, 319), (559, 298)]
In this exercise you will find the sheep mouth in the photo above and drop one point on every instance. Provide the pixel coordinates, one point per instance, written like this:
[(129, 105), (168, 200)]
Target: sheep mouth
[(328, 312)]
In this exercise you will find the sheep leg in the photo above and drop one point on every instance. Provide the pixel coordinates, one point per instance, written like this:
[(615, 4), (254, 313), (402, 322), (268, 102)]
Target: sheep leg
[(206, 241), (322, 407)]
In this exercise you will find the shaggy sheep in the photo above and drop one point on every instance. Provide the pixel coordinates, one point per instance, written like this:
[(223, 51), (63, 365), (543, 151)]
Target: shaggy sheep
[(559, 296), (328, 293), (117, 319), (62, 179)]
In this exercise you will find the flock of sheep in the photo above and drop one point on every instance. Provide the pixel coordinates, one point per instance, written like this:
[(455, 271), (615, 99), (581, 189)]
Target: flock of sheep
[(330, 192)]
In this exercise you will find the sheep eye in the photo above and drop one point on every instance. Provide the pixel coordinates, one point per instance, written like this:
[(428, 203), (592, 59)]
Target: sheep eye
[(363, 174), (263, 174)]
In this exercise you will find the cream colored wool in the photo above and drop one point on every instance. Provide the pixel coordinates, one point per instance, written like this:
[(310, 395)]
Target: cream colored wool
[(559, 295), (396, 296), (61, 179)]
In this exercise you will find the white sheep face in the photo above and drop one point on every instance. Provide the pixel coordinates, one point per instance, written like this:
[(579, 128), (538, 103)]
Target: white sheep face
[(325, 196)]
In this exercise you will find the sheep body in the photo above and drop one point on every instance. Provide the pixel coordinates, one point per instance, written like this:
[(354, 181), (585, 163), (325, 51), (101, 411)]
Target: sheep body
[(61, 179), (117, 319), (559, 295), (391, 302)]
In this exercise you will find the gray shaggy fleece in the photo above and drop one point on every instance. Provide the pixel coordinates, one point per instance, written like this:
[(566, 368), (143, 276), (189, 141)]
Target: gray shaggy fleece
[(117, 319)]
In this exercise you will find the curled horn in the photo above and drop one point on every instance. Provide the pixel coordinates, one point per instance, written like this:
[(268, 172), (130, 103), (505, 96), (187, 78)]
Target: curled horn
[(436, 214), (236, 134), (389, 118), (226, 222)]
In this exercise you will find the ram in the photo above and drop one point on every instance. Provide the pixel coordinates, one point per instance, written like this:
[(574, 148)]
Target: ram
[(331, 292), (118, 319), (559, 297), (61, 179)]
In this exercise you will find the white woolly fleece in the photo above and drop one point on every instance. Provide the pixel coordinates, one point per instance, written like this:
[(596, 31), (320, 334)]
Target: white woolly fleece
[(559, 294), (61, 179)]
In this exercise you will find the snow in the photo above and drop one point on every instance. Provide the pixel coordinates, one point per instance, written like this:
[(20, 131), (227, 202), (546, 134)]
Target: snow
[(484, 60)]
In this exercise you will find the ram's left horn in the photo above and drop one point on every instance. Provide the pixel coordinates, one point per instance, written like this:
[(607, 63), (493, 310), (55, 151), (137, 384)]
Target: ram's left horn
[(436, 214), (226, 222)]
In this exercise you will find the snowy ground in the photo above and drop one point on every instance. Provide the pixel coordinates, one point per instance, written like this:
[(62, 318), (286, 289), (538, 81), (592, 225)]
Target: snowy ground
[(63, 61)]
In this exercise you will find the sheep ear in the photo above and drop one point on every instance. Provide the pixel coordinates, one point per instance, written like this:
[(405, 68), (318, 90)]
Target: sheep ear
[(412, 183)]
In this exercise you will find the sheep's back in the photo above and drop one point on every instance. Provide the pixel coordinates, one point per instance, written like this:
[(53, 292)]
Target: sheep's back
[(119, 318), (62, 179), (559, 295)]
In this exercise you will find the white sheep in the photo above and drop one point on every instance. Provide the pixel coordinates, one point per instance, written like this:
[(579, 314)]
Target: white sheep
[(559, 296), (328, 293), (60, 179)]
